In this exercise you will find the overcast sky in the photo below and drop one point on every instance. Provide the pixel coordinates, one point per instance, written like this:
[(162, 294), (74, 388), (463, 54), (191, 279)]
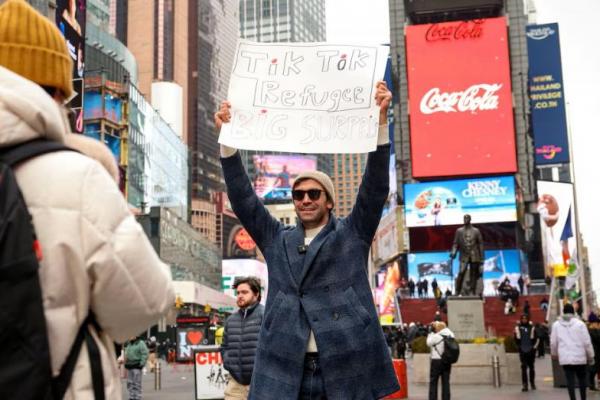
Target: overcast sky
[(368, 21)]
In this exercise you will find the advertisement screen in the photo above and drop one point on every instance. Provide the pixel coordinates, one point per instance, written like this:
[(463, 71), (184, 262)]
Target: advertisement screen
[(274, 175), (70, 20), (93, 107), (446, 202), (460, 99), (498, 265), (547, 95), (388, 282), (557, 219), (190, 339)]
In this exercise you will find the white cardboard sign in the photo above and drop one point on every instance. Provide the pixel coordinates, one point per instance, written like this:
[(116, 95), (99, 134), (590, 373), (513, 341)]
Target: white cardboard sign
[(304, 97)]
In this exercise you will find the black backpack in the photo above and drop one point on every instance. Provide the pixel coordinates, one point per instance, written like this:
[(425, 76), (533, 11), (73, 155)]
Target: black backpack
[(451, 350), (25, 371)]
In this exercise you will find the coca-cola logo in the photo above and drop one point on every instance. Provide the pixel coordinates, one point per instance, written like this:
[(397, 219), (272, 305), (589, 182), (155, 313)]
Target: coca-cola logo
[(481, 97), (462, 30)]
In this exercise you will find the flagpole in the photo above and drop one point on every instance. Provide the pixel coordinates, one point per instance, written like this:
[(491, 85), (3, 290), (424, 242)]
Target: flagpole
[(580, 266)]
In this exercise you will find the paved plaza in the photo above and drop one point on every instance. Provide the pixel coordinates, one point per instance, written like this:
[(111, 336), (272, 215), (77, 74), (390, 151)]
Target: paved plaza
[(178, 384)]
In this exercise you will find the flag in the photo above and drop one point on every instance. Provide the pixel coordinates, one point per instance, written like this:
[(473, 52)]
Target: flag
[(567, 233), (492, 265), (439, 268)]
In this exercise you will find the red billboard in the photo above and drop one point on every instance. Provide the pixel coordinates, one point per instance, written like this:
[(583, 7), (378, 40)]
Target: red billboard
[(460, 101)]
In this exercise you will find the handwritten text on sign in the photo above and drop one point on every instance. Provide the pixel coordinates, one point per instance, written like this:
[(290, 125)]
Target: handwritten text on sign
[(304, 97)]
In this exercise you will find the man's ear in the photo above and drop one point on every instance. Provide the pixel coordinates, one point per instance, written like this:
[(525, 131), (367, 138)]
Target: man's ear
[(329, 205)]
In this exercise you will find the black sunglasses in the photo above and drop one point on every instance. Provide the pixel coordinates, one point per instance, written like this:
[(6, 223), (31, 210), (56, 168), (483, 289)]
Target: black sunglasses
[(313, 194)]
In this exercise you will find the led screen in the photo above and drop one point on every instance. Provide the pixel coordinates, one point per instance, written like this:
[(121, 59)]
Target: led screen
[(446, 202), (460, 99), (274, 175), (498, 265)]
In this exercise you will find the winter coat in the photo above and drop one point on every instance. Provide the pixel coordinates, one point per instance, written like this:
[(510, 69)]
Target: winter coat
[(240, 339), (526, 337), (436, 342), (136, 354), (571, 341), (324, 289), (95, 255)]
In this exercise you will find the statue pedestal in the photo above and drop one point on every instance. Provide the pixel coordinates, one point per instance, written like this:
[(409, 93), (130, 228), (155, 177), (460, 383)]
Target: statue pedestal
[(465, 317)]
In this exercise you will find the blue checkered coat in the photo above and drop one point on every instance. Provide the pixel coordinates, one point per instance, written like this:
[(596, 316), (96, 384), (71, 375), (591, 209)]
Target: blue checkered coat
[(325, 289)]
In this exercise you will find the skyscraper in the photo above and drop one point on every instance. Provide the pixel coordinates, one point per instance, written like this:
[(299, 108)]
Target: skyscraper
[(282, 21), (513, 39)]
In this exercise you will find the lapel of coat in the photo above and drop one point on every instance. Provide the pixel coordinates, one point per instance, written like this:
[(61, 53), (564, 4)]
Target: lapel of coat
[(315, 246), (292, 240)]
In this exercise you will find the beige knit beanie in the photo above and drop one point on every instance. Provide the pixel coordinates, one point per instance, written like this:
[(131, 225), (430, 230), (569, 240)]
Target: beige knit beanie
[(320, 177)]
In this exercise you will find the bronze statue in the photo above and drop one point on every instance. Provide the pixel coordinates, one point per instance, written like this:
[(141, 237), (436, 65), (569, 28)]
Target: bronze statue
[(469, 242)]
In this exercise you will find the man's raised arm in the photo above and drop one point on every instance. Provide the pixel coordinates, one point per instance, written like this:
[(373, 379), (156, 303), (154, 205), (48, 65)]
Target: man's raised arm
[(255, 218), (374, 187)]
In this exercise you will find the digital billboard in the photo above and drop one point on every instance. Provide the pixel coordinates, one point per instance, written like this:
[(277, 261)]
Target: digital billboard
[(275, 174), (557, 218), (460, 98), (388, 282), (110, 108), (498, 265), (446, 202), (70, 20), (546, 95)]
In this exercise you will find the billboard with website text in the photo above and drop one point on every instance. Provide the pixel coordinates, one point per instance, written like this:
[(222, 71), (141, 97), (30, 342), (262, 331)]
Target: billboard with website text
[(460, 98)]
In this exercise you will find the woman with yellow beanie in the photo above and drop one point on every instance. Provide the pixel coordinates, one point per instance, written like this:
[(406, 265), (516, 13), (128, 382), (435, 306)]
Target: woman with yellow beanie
[(94, 257)]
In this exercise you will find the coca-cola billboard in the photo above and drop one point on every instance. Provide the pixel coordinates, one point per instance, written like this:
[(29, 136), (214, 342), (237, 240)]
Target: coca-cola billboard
[(460, 100)]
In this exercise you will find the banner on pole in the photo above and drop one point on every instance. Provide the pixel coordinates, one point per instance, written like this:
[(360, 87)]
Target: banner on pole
[(304, 97)]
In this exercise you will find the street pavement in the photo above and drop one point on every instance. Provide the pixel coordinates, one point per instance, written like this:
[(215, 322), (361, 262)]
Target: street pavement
[(178, 384)]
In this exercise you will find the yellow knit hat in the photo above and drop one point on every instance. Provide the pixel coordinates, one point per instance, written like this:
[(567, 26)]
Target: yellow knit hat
[(31, 46)]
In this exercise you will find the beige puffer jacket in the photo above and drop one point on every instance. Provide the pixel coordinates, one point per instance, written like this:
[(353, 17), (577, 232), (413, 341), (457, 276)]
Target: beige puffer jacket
[(95, 255)]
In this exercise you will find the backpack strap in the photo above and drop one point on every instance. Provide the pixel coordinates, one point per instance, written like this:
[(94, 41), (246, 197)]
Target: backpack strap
[(24, 151), (61, 383)]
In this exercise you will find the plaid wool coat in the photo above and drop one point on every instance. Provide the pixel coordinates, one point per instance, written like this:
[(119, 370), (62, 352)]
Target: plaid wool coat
[(325, 289)]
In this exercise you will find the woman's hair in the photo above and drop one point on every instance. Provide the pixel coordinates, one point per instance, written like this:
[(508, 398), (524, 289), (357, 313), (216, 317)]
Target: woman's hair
[(438, 325)]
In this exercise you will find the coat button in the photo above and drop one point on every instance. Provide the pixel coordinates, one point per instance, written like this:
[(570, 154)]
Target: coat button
[(336, 316)]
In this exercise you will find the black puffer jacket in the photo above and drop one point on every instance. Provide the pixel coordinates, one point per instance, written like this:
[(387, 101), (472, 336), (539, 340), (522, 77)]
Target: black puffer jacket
[(239, 342)]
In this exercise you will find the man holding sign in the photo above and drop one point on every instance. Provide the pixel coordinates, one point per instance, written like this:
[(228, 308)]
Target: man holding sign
[(320, 338)]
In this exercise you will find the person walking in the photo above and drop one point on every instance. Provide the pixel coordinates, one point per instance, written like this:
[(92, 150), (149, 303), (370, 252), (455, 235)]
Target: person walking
[(136, 356), (526, 308), (240, 338), (411, 287), (321, 330), (521, 283), (152, 349), (438, 369), (98, 272), (594, 331), (425, 288), (527, 342), (571, 344)]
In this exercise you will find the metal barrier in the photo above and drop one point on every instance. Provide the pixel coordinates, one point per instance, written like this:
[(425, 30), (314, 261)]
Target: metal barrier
[(496, 371), (157, 375)]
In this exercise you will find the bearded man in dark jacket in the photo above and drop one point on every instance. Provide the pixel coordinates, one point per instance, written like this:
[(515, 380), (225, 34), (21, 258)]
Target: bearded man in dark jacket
[(240, 338)]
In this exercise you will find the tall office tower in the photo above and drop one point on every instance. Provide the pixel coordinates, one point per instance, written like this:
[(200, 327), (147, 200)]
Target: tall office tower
[(282, 21), (474, 50), (157, 35), (213, 37)]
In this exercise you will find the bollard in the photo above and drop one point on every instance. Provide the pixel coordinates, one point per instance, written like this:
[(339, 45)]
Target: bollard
[(496, 371), (157, 375)]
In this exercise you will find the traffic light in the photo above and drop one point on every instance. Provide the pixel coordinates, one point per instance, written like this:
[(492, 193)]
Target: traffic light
[(179, 302)]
